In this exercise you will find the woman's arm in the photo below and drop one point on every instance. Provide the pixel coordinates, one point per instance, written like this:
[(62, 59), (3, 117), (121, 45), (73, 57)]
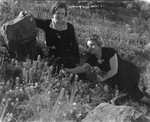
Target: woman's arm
[(78, 69), (113, 68), (41, 23), (76, 48)]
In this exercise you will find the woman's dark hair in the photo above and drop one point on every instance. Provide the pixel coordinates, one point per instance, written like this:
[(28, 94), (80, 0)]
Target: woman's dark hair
[(59, 5)]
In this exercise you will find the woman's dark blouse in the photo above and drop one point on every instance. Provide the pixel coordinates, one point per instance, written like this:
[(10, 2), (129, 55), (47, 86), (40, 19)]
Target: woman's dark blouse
[(64, 42), (127, 77), (107, 54)]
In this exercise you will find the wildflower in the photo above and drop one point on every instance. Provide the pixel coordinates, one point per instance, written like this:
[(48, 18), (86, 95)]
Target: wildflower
[(3, 100), (10, 116), (51, 68), (13, 61), (17, 88), (100, 61), (46, 81), (16, 2), (39, 58), (7, 114), (27, 89), (31, 87), (96, 85), (8, 83), (71, 111), (62, 72), (30, 72), (12, 103), (58, 84), (59, 103), (79, 115), (106, 88), (9, 99), (67, 96), (16, 63), (117, 93), (49, 92), (76, 77), (36, 84), (45, 64), (74, 104), (17, 99), (20, 90), (65, 114), (10, 91), (17, 80), (70, 76)]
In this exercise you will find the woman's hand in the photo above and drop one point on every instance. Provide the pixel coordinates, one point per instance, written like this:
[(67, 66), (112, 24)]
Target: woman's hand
[(100, 78), (67, 70), (79, 69), (24, 13)]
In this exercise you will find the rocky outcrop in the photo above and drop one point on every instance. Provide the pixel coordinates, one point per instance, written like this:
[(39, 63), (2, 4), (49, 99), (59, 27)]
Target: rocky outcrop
[(20, 36), (106, 112)]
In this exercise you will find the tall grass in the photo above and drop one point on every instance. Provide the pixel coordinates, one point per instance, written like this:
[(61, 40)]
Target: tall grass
[(35, 91)]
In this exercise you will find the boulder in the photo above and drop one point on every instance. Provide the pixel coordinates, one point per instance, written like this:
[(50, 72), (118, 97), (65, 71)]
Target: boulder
[(106, 112), (21, 30), (20, 35)]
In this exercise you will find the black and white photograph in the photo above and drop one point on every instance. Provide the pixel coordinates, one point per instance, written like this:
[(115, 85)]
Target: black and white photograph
[(74, 60)]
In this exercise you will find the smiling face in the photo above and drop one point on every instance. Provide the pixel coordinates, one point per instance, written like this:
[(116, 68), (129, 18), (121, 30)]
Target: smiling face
[(59, 14), (92, 47)]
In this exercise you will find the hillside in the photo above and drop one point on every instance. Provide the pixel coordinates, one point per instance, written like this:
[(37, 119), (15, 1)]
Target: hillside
[(33, 91)]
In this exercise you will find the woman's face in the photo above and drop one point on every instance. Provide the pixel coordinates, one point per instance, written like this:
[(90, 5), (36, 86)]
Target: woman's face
[(59, 14), (93, 47)]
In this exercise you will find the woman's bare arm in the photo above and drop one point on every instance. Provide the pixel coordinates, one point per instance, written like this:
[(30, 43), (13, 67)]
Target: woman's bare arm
[(113, 68), (78, 69)]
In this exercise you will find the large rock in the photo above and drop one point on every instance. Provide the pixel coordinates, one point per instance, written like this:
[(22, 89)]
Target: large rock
[(20, 35), (106, 112), (21, 30)]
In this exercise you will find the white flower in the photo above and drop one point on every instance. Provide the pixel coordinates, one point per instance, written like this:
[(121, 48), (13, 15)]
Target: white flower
[(100, 61)]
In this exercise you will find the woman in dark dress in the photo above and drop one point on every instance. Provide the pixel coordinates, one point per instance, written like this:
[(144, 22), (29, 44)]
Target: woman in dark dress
[(119, 72), (60, 36)]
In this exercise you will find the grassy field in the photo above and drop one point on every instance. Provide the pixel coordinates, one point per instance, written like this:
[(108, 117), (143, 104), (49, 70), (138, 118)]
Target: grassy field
[(31, 91)]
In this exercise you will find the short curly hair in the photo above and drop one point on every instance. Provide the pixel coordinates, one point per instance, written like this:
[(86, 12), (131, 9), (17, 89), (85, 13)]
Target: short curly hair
[(96, 39), (59, 5)]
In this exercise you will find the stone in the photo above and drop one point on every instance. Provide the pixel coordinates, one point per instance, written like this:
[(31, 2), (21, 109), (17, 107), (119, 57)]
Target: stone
[(20, 36), (21, 30), (106, 112)]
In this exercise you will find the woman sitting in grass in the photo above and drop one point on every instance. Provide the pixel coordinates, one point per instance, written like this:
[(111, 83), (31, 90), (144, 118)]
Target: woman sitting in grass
[(61, 37), (119, 72)]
